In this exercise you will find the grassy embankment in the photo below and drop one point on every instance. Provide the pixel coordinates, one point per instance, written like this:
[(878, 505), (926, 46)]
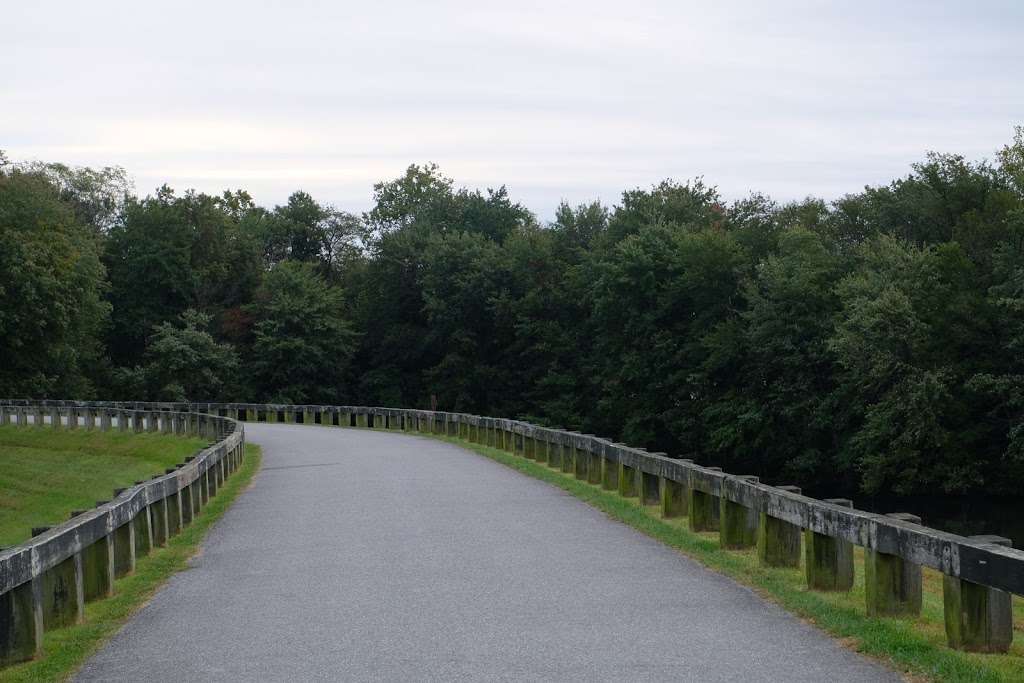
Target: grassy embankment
[(916, 646), (45, 474)]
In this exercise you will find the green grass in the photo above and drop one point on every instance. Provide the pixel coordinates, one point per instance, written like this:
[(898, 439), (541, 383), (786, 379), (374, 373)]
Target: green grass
[(65, 650), (46, 473), (914, 646)]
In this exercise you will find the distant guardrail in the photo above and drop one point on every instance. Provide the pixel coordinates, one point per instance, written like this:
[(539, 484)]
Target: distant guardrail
[(980, 572)]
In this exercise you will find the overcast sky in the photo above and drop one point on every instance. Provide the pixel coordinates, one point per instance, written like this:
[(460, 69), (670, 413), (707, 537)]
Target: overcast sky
[(556, 100)]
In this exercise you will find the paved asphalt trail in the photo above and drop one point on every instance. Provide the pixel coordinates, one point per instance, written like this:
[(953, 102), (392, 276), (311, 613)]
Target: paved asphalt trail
[(361, 555)]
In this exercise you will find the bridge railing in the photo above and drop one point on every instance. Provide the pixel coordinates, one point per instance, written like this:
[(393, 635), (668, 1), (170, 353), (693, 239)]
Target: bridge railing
[(46, 581), (980, 572)]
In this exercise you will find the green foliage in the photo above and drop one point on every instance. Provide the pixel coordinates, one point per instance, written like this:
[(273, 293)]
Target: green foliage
[(302, 343), (873, 342), (185, 363), (52, 312)]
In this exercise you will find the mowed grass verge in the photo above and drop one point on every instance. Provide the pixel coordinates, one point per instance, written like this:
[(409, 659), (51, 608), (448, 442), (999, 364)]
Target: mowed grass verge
[(916, 646), (46, 473), (66, 650)]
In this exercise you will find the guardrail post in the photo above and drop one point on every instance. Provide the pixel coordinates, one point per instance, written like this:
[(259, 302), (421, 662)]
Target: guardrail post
[(309, 416), (737, 527), (361, 419), (3, 416), (158, 522), (185, 493), (828, 561), (609, 474), (778, 541), (196, 496), (98, 569), (650, 489), (704, 508), (87, 418), (628, 485), (595, 459), (674, 498), (63, 600), (105, 420), (143, 532), (204, 487), (580, 460), (978, 618), (555, 451), (21, 623), (72, 412), (55, 417), (124, 549), (892, 585), (173, 514)]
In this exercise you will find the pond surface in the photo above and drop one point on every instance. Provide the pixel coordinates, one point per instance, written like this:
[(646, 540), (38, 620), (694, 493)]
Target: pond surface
[(964, 515)]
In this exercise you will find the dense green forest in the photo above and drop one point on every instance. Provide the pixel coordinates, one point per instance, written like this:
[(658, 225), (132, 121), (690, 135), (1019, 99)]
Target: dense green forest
[(873, 342)]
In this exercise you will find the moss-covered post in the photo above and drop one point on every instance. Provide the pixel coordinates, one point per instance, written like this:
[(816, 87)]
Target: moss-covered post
[(142, 529), (568, 456), (186, 505), (978, 618), (555, 452), (609, 474), (629, 487), (704, 508), (98, 569), (892, 585), (828, 561), (204, 488), (737, 527), (674, 498), (63, 597), (21, 623), (124, 549), (650, 488), (778, 541), (158, 522), (580, 461), (595, 458), (309, 416)]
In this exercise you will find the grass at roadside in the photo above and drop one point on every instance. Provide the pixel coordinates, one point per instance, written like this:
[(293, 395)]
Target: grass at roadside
[(65, 650), (915, 646), (46, 473)]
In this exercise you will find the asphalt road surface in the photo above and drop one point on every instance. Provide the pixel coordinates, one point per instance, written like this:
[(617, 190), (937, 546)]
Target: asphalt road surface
[(370, 556)]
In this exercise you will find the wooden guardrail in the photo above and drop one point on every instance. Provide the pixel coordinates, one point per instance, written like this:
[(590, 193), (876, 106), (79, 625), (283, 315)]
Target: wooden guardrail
[(981, 572), (46, 581)]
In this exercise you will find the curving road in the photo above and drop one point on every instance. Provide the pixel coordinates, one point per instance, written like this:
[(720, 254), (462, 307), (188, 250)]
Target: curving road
[(362, 555)]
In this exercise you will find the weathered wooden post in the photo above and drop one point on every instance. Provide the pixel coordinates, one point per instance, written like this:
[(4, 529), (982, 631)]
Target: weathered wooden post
[(778, 541), (629, 487), (609, 470), (98, 569), (978, 618), (124, 549), (704, 507), (737, 527), (892, 585), (158, 522), (595, 460), (21, 623), (828, 561), (675, 497)]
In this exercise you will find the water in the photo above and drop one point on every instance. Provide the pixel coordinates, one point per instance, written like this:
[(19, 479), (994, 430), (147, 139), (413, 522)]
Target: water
[(964, 515)]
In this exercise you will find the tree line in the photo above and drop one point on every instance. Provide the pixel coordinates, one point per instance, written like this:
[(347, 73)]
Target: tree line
[(873, 342)]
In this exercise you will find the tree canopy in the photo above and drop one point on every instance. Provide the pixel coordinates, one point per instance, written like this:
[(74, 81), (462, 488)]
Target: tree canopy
[(873, 342)]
